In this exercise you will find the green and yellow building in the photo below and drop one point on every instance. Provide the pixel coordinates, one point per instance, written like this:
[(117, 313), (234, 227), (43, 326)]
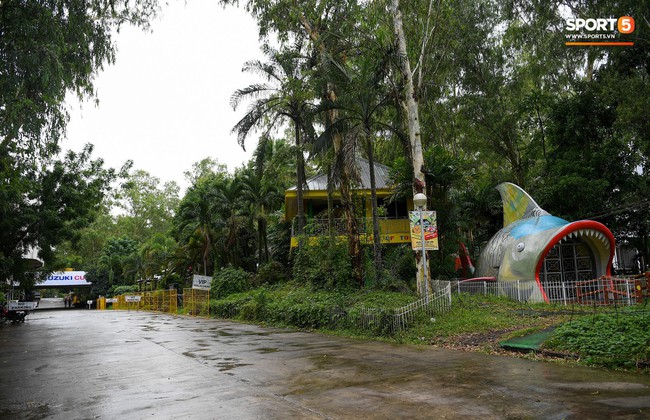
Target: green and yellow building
[(394, 222)]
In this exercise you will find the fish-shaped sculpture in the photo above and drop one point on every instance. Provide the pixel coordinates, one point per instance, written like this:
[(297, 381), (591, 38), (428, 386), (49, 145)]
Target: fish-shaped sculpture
[(534, 245)]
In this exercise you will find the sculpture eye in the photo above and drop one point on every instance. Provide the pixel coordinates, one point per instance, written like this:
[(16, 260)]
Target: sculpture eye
[(520, 246)]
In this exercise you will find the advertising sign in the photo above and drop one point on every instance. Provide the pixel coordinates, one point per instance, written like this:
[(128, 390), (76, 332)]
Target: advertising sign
[(65, 279), (428, 226), (111, 300), (21, 306), (201, 282), (132, 298)]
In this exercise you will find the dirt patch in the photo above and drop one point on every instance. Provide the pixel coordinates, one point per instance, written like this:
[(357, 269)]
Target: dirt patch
[(479, 341), (488, 342)]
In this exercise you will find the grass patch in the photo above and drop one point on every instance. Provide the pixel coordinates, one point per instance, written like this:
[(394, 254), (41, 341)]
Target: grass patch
[(473, 323), (615, 340)]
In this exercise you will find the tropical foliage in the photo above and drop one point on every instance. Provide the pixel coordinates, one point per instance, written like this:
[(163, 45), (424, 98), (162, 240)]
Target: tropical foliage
[(454, 96)]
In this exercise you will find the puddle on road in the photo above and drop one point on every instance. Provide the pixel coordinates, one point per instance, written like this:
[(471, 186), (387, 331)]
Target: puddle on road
[(149, 328), (222, 333), (226, 366), (265, 350), (602, 386)]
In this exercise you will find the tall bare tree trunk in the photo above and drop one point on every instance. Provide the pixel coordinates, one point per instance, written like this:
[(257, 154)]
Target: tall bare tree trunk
[(330, 201), (376, 234), (412, 111), (300, 167), (352, 228)]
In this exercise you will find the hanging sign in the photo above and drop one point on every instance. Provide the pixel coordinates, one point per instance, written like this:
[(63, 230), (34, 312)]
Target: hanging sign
[(65, 279), (428, 226)]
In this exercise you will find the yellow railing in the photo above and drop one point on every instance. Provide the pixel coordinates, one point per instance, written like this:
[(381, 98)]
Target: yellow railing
[(196, 302), (157, 301), (392, 231)]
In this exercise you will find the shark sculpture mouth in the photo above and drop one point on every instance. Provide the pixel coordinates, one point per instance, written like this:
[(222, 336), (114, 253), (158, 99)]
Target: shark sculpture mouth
[(593, 234), (519, 250)]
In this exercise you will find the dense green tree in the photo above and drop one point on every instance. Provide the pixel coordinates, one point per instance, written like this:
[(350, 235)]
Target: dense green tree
[(204, 168), (147, 208), (233, 222), (43, 208), (262, 195), (47, 50), (118, 261), (194, 224)]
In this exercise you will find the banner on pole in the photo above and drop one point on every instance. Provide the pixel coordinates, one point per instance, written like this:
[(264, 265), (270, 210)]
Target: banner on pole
[(428, 226)]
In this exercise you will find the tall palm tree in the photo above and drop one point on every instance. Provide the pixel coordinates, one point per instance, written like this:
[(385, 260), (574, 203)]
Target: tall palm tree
[(262, 189), (360, 115), (195, 222), (227, 202), (157, 253), (285, 96)]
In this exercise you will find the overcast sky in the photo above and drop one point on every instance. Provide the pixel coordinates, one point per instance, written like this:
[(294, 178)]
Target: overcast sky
[(165, 103)]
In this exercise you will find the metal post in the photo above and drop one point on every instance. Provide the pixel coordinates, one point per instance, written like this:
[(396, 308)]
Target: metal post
[(424, 259)]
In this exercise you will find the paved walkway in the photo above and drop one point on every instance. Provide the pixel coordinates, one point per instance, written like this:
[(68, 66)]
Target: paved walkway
[(117, 364)]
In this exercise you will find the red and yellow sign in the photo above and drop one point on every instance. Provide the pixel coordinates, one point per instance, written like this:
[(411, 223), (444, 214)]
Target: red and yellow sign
[(424, 224)]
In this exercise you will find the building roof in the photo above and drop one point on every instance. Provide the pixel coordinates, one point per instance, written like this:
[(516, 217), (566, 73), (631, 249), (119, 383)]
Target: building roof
[(319, 182)]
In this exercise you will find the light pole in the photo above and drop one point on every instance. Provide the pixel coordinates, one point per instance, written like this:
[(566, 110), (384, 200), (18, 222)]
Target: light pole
[(420, 201)]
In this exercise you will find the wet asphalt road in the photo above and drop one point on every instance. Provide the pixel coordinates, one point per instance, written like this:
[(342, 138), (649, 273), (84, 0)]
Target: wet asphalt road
[(83, 364)]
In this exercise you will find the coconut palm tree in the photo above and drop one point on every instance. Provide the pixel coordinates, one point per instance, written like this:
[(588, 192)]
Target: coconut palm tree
[(231, 219), (284, 97), (195, 221), (361, 116), (262, 188)]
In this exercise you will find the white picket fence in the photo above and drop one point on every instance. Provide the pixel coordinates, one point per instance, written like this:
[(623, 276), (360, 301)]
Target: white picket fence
[(601, 291), (391, 321)]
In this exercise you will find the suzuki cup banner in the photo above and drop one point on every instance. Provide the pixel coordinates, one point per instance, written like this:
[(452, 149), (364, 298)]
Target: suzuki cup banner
[(65, 279), (429, 228)]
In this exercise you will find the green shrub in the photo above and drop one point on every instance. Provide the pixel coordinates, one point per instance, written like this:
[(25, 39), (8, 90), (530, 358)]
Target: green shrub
[(229, 307), (270, 274), (611, 340), (122, 290), (399, 269), (323, 264), (230, 280)]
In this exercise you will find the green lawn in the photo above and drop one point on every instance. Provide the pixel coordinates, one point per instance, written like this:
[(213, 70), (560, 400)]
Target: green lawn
[(596, 336)]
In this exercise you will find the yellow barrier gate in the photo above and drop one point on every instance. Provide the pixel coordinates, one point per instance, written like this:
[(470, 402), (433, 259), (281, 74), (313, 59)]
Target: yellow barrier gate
[(157, 301), (196, 302)]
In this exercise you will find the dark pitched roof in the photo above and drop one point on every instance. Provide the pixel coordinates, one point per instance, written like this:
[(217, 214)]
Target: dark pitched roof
[(319, 182)]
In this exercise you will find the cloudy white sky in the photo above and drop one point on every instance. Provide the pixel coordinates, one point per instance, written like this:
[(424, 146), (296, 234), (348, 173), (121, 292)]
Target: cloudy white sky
[(165, 102)]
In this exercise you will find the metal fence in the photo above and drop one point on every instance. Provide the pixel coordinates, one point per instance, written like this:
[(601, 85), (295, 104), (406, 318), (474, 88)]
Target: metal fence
[(602, 291), (196, 302), (391, 321), (158, 301)]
